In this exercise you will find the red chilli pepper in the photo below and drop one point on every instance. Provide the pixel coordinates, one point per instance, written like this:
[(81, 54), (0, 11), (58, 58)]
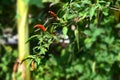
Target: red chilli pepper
[(40, 26), (33, 66), (53, 14), (15, 67)]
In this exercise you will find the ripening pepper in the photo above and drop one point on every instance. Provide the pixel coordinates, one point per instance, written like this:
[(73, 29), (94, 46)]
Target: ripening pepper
[(53, 14), (40, 26), (33, 65)]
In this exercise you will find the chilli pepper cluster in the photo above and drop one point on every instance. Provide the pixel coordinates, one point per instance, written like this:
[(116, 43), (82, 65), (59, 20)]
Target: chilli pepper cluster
[(42, 27)]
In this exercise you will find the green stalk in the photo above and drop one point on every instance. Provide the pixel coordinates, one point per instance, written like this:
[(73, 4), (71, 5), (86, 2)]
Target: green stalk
[(22, 24)]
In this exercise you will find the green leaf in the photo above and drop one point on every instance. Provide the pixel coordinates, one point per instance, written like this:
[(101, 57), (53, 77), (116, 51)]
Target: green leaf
[(97, 32), (32, 38), (105, 12), (42, 50), (77, 5), (118, 25), (88, 32), (88, 42), (65, 30), (78, 68), (109, 40), (92, 12), (93, 66), (76, 32), (118, 57)]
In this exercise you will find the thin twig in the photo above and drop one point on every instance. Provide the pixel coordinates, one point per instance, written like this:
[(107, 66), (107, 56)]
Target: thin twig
[(114, 8)]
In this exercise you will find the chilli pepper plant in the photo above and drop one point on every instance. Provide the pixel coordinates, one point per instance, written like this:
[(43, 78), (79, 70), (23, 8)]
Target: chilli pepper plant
[(80, 41)]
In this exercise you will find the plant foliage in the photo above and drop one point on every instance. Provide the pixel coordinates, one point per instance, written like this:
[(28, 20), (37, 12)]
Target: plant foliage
[(93, 52)]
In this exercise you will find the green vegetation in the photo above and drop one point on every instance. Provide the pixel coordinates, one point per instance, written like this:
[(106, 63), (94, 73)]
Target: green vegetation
[(73, 40)]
